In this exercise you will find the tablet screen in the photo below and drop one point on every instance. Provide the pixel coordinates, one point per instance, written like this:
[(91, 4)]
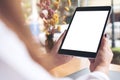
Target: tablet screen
[(85, 31)]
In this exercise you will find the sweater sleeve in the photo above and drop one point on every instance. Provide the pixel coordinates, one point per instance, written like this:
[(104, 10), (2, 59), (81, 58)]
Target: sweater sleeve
[(94, 76), (16, 63)]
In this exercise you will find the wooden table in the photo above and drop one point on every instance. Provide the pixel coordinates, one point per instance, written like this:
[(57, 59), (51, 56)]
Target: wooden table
[(75, 65)]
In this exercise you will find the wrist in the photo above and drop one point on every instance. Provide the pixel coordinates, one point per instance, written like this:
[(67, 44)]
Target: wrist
[(104, 69), (45, 60)]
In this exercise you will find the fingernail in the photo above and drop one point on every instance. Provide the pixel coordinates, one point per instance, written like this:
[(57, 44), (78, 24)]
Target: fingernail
[(106, 35), (65, 30)]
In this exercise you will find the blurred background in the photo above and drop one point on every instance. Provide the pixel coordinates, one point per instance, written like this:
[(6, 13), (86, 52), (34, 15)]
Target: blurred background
[(66, 8)]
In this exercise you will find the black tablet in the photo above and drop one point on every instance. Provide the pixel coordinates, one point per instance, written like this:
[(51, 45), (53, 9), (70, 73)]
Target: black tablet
[(85, 31)]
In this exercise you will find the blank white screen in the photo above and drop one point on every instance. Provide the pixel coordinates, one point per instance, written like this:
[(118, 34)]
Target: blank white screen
[(85, 31)]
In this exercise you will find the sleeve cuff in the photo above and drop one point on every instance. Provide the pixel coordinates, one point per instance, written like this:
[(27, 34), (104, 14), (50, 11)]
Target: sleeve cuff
[(100, 75)]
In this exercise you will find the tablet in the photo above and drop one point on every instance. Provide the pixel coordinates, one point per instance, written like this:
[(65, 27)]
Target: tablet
[(85, 31)]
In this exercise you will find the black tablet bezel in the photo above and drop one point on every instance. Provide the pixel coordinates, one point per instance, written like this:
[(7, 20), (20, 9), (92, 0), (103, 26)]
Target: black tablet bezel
[(83, 53)]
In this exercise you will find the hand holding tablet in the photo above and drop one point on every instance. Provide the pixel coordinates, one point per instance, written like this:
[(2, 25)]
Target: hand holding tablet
[(85, 31)]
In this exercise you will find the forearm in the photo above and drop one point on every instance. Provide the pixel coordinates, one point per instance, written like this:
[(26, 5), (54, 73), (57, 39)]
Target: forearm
[(45, 60), (104, 69)]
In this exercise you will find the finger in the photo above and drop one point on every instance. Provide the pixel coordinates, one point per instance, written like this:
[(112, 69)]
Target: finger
[(59, 41), (92, 60), (103, 47), (61, 37), (104, 41)]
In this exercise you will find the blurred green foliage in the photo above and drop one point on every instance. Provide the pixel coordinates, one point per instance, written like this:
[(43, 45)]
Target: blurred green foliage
[(116, 57)]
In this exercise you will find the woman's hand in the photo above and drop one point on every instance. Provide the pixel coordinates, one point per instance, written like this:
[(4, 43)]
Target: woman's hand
[(103, 58), (53, 59), (59, 58)]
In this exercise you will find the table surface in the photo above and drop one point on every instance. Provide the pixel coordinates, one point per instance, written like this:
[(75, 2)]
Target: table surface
[(75, 65)]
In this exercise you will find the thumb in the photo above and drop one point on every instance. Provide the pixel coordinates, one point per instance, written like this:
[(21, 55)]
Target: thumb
[(59, 41)]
